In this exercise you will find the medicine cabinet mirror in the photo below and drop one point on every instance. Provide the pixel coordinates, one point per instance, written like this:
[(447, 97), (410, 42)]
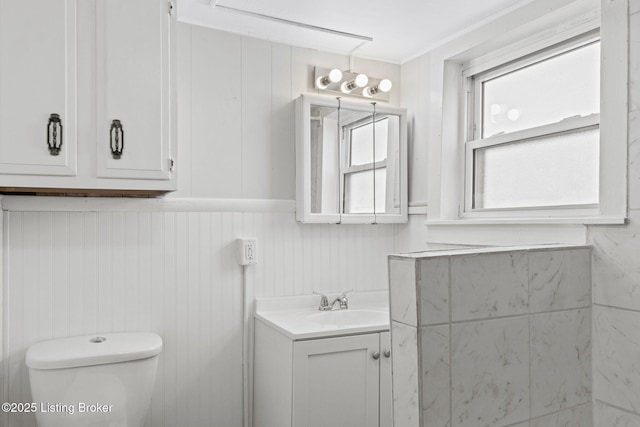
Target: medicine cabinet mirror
[(351, 161)]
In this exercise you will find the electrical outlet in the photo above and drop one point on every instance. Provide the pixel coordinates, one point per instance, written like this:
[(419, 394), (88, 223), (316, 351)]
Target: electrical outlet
[(247, 251)]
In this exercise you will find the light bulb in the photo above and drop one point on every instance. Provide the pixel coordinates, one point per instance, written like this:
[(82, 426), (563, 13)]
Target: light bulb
[(385, 85), (513, 114), (361, 80), (334, 76)]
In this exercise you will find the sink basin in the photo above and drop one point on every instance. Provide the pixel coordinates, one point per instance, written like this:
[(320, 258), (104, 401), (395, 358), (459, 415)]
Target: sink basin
[(299, 318), (348, 317)]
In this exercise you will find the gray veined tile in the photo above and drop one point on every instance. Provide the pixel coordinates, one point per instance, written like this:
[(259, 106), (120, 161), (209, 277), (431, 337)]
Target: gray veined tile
[(559, 279), (616, 266), (489, 285), (560, 360), (402, 291), (616, 354), (580, 416), (404, 347), (433, 288), (607, 416), (490, 372), (634, 127), (436, 376)]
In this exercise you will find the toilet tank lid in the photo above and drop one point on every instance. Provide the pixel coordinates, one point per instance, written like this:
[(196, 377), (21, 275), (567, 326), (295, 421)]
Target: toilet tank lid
[(91, 350)]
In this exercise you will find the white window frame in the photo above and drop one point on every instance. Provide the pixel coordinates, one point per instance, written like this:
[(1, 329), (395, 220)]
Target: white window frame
[(473, 78), (538, 23)]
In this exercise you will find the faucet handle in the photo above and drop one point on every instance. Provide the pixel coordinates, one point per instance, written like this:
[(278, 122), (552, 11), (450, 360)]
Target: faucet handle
[(324, 302), (344, 294), (344, 301)]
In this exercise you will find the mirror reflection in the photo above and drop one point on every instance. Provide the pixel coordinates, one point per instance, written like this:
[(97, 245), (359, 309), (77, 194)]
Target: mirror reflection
[(355, 160)]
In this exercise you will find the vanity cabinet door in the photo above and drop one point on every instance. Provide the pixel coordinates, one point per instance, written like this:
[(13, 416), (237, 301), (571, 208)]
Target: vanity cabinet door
[(336, 382), (134, 93), (37, 80)]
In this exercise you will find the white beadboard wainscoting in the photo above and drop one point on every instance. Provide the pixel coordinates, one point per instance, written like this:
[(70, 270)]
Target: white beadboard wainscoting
[(154, 267)]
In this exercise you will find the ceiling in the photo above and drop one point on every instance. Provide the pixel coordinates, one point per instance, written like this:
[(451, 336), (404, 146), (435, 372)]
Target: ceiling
[(400, 30)]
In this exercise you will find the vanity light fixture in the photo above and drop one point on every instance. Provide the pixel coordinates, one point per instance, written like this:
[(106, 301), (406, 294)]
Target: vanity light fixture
[(383, 86), (360, 80), (351, 83), (334, 76)]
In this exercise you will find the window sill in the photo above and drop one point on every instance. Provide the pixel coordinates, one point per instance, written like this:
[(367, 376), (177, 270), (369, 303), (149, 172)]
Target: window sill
[(530, 221), (515, 231)]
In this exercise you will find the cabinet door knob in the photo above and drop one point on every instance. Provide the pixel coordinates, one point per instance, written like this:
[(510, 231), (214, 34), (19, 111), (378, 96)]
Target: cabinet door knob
[(376, 355), (116, 139), (54, 134), (387, 353)]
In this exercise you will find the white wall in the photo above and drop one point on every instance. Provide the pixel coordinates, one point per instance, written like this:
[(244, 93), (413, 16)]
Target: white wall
[(236, 115), (74, 272), (415, 98), (74, 266)]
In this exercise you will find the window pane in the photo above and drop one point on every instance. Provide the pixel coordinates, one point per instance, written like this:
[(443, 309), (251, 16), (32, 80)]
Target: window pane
[(358, 191), (361, 142), (546, 92), (552, 171)]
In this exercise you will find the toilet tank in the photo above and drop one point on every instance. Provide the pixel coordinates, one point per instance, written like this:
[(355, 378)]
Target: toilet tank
[(93, 380)]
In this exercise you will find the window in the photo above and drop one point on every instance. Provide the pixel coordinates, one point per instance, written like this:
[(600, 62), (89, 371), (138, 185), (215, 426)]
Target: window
[(364, 175), (466, 164), (532, 137)]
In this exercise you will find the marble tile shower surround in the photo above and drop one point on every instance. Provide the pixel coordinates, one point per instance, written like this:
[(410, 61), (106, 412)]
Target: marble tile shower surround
[(503, 337)]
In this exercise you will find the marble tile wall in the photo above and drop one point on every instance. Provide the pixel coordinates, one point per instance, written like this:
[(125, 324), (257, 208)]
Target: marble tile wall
[(504, 338), (616, 280)]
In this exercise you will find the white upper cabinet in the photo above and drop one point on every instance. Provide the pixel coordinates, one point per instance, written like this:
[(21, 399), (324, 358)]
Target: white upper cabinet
[(134, 89), (111, 62), (37, 83)]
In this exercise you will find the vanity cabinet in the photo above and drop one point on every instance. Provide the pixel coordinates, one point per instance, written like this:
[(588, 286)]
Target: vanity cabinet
[(95, 79), (342, 381)]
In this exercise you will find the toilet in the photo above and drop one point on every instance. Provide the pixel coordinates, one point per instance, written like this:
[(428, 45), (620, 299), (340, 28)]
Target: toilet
[(98, 381)]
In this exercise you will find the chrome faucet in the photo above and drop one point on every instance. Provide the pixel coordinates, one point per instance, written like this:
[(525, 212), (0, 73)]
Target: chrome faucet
[(342, 299), (324, 302)]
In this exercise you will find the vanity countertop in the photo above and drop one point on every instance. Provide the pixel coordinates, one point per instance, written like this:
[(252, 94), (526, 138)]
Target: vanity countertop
[(298, 317)]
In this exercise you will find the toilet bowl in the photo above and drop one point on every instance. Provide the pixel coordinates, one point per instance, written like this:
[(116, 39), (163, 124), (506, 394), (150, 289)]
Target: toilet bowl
[(97, 381)]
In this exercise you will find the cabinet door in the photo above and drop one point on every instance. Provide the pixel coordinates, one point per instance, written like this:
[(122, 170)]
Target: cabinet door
[(134, 71), (386, 394), (37, 79), (336, 382)]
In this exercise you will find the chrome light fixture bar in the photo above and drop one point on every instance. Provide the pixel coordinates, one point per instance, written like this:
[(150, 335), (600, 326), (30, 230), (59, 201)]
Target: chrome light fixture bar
[(350, 83)]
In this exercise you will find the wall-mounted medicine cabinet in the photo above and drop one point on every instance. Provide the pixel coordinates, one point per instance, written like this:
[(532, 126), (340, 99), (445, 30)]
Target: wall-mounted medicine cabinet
[(351, 161)]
